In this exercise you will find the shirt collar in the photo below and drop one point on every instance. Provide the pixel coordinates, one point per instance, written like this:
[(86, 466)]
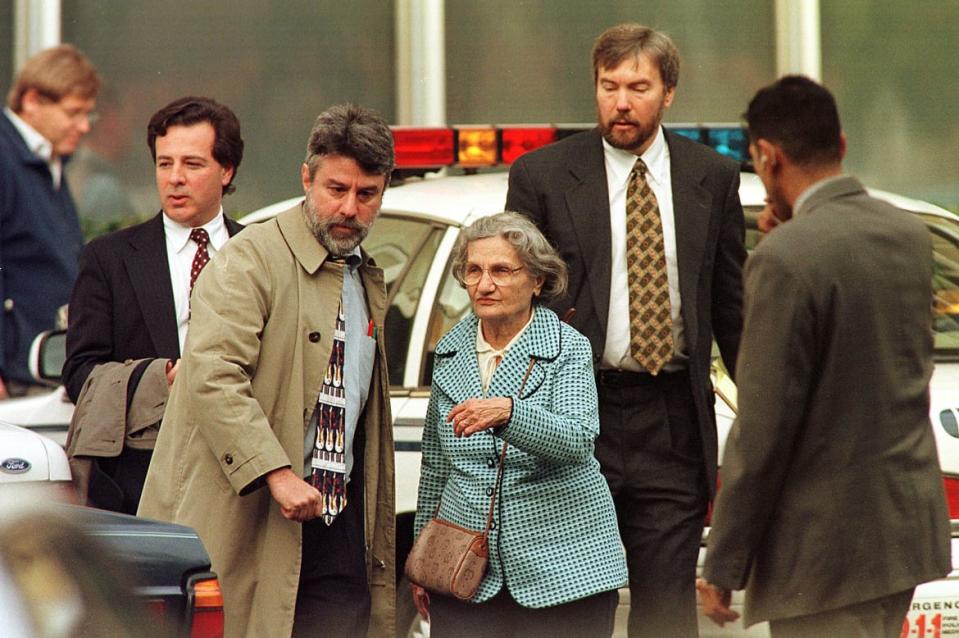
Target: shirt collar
[(811, 190), (179, 234), (483, 346), (656, 158), (352, 259), (35, 141)]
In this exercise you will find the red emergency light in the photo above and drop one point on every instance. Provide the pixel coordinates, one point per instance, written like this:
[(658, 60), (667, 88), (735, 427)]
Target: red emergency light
[(423, 147), (518, 140), (481, 146), (466, 146)]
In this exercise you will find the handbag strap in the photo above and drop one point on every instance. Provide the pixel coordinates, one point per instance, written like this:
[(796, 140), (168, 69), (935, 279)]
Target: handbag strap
[(502, 455), (502, 460)]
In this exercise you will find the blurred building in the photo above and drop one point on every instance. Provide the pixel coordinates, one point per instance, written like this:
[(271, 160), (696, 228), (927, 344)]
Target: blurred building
[(890, 64)]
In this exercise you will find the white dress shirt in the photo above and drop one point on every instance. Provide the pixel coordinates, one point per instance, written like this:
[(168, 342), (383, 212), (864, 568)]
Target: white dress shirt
[(619, 164), (180, 251), (38, 145)]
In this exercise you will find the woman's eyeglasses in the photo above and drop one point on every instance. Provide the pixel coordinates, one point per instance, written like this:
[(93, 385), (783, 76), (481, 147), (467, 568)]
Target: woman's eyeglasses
[(500, 275)]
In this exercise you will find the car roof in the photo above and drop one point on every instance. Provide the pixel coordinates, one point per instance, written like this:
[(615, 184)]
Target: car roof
[(459, 199)]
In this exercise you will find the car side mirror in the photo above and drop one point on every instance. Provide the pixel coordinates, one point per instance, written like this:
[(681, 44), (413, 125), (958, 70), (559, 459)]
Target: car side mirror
[(47, 355)]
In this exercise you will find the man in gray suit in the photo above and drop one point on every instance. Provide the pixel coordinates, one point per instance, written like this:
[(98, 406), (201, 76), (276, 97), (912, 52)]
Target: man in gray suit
[(831, 509)]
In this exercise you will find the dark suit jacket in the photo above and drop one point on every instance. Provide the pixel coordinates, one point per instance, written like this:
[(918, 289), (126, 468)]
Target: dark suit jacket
[(832, 493), (122, 303), (563, 188), (40, 241)]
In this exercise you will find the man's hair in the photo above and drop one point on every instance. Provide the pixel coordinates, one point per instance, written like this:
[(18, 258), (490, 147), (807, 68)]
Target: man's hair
[(625, 41), (800, 116), (190, 110), (55, 73), (351, 131)]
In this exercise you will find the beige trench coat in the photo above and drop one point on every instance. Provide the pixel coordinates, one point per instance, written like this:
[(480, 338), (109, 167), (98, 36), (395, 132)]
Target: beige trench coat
[(260, 336)]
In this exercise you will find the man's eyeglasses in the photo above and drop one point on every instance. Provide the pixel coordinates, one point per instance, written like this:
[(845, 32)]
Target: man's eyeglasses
[(74, 114), (501, 275)]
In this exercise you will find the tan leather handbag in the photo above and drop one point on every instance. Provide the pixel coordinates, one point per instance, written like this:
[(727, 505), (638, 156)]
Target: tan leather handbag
[(452, 560)]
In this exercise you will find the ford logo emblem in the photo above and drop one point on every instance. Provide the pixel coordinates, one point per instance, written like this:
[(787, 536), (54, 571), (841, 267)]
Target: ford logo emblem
[(14, 466)]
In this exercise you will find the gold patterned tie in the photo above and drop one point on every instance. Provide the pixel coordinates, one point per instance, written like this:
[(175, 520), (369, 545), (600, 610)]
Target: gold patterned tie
[(650, 324)]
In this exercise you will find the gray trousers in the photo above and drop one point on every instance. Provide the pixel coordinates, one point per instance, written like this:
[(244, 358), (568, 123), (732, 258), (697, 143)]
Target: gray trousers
[(877, 618)]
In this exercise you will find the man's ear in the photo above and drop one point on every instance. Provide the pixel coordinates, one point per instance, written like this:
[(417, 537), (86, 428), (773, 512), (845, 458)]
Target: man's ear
[(768, 154), (305, 177), (29, 102), (226, 175)]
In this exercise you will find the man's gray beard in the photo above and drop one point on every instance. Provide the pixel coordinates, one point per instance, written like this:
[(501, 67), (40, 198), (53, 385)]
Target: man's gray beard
[(321, 230)]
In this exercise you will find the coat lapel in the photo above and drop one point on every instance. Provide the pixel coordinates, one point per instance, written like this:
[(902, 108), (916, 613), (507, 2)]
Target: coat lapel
[(149, 271), (232, 226), (691, 212), (455, 369), (587, 201), (541, 342)]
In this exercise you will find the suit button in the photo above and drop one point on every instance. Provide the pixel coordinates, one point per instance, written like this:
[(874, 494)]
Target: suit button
[(8, 304), (492, 525), (228, 459), (314, 337), (490, 462), (489, 491)]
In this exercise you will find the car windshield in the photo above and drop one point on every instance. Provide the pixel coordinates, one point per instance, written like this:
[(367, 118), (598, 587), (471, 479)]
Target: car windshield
[(944, 232)]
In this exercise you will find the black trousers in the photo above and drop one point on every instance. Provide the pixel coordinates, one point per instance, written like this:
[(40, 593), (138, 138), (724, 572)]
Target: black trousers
[(333, 598), (651, 453), (116, 483), (503, 617)]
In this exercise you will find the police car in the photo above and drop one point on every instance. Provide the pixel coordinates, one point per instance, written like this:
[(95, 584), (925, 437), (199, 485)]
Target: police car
[(412, 240)]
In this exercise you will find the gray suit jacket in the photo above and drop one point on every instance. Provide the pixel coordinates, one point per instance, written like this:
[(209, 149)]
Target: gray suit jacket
[(832, 493), (562, 187)]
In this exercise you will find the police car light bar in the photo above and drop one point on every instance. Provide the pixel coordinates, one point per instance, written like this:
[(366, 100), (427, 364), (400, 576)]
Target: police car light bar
[(472, 147)]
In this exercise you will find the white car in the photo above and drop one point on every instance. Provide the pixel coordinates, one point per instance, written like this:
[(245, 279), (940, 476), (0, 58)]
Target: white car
[(412, 240)]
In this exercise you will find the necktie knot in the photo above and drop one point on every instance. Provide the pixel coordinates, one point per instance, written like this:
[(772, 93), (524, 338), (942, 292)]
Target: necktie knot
[(200, 237), (639, 168)]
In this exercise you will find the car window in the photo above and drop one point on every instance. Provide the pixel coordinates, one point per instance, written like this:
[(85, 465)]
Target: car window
[(404, 249), (945, 284), (944, 232), (452, 304)]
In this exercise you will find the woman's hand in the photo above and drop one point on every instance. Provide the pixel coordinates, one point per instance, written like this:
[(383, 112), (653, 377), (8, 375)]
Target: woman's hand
[(475, 415), (422, 601)]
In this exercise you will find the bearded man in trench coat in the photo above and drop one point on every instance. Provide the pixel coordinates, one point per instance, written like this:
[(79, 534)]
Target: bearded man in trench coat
[(238, 434)]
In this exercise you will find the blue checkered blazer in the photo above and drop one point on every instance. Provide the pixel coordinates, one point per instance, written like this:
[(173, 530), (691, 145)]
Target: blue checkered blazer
[(554, 536)]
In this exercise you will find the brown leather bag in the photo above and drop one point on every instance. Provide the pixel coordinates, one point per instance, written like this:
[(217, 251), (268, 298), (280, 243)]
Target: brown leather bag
[(452, 560)]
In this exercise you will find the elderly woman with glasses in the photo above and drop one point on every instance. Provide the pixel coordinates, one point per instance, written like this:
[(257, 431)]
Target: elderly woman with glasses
[(555, 555)]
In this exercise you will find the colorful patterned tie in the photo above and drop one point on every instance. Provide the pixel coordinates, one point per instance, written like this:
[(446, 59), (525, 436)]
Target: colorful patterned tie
[(202, 257), (329, 453), (650, 323)]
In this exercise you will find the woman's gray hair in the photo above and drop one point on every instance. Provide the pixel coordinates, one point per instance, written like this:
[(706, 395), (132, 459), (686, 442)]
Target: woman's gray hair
[(536, 253)]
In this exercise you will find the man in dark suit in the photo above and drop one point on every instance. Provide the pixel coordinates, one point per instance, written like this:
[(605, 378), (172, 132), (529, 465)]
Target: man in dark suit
[(655, 253), (49, 109), (832, 507), (132, 297)]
